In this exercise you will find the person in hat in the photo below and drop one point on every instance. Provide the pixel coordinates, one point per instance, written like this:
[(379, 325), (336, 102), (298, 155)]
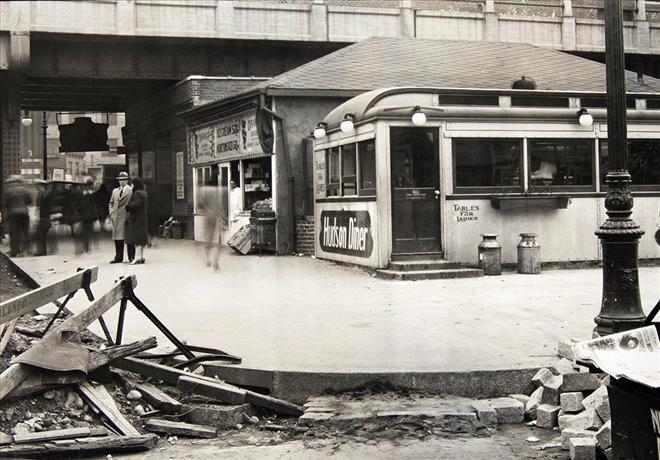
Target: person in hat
[(16, 202), (117, 210)]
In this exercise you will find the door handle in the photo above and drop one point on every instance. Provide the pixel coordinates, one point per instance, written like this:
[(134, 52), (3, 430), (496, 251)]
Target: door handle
[(436, 193)]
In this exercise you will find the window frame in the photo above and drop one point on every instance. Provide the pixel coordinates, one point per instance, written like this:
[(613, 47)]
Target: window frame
[(561, 188), (458, 189), (329, 185), (341, 169), (371, 192), (633, 186), (339, 185)]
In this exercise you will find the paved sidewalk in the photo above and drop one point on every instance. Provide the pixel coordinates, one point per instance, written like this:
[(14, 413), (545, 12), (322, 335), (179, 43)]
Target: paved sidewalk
[(299, 313)]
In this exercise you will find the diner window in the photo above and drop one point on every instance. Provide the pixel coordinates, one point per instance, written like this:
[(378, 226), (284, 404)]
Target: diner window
[(367, 156), (348, 170), (643, 163), (332, 162), (487, 164), (566, 164)]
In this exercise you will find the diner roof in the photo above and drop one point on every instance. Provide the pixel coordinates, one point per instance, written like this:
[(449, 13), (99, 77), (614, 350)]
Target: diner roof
[(390, 62)]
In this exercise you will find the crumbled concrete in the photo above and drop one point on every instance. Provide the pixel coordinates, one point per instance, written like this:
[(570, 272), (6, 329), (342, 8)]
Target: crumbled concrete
[(586, 420), (485, 412), (542, 376), (603, 410), (565, 348), (582, 448), (564, 366), (571, 402), (520, 397), (508, 410), (533, 403), (546, 416), (581, 382), (604, 435), (551, 390), (596, 398), (569, 433), (217, 415)]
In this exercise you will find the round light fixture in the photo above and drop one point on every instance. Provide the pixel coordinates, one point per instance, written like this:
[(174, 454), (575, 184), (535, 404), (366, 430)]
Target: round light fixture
[(585, 119), (26, 121), (418, 117), (319, 131), (346, 125)]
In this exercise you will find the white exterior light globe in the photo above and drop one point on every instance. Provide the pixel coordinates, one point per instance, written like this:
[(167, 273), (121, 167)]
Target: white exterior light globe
[(586, 120), (26, 121), (419, 118), (319, 133), (346, 126)]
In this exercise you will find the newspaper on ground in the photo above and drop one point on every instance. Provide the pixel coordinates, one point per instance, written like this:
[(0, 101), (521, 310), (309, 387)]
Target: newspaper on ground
[(633, 354)]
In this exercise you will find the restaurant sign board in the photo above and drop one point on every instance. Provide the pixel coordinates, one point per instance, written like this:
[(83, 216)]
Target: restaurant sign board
[(346, 232), (228, 139)]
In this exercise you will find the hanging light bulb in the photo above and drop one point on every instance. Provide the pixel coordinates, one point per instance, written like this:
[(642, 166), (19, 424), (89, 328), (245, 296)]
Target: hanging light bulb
[(346, 125), (418, 117), (584, 118), (319, 131), (26, 120)]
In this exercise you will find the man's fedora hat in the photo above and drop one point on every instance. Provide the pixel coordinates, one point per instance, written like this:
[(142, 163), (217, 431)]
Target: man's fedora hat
[(122, 176)]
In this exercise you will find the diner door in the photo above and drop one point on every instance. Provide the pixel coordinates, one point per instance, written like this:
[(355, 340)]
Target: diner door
[(415, 190)]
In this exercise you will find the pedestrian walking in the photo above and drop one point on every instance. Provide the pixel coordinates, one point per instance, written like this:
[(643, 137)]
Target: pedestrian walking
[(117, 211), (88, 214), (16, 202), (211, 205), (137, 222)]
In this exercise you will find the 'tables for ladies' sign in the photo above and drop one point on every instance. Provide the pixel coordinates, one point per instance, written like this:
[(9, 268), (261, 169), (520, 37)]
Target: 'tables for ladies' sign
[(346, 232)]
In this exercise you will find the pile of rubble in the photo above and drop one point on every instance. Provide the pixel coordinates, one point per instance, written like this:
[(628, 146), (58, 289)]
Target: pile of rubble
[(64, 391)]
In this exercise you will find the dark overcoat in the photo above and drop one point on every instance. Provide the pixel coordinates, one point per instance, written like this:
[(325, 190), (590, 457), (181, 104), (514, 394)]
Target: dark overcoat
[(137, 222)]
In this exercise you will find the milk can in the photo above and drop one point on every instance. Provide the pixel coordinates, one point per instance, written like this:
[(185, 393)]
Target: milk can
[(490, 254), (529, 254)]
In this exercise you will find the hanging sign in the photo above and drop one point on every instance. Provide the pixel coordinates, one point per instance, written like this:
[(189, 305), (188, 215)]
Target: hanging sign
[(180, 190), (346, 232), (230, 139)]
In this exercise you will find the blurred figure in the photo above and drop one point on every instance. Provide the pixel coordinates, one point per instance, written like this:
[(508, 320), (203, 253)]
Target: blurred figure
[(88, 214), (101, 199), (210, 205), (117, 211), (137, 222), (16, 202), (44, 203)]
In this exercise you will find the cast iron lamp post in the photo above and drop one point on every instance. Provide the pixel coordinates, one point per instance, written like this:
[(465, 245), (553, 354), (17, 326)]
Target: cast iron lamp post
[(619, 235), (44, 128)]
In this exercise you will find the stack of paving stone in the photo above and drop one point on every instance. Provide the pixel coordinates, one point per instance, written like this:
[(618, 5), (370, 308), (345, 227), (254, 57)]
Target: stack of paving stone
[(575, 402)]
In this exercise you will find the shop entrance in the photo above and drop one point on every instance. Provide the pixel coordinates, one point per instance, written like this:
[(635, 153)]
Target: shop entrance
[(415, 190)]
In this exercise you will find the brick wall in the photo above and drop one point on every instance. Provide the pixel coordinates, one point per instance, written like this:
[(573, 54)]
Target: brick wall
[(305, 235)]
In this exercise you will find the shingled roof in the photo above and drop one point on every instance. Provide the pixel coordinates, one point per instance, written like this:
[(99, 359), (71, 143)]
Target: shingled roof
[(388, 62)]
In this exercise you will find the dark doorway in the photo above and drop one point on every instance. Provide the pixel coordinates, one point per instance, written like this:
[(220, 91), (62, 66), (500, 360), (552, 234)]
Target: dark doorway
[(415, 190)]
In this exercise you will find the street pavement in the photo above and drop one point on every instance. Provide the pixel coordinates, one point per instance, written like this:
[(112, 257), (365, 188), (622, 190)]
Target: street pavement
[(304, 314)]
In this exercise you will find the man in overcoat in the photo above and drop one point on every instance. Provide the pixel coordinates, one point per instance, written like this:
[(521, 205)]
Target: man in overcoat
[(117, 210)]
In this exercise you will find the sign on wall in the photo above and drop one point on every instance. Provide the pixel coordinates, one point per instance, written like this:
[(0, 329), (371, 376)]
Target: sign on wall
[(466, 212), (148, 165), (346, 232), (133, 165), (180, 189), (319, 168), (230, 138)]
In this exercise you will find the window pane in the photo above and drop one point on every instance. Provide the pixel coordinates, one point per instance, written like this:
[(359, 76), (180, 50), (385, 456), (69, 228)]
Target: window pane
[(560, 162), (367, 153), (643, 161), (348, 170), (487, 162), (333, 171)]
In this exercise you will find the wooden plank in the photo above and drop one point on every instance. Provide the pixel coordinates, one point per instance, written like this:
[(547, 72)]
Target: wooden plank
[(100, 358), (52, 435), (40, 380), (153, 395), (216, 390), (7, 332), (24, 303), (167, 374), (99, 398), (83, 446), (276, 405), (180, 428), (15, 374)]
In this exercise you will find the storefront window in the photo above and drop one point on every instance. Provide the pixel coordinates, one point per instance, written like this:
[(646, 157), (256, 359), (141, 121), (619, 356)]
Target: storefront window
[(560, 163), (257, 180), (643, 163), (487, 164), (333, 172), (348, 170), (367, 156)]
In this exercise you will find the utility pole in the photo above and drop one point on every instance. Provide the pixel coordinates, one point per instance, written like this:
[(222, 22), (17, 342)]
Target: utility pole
[(619, 235), (44, 128)]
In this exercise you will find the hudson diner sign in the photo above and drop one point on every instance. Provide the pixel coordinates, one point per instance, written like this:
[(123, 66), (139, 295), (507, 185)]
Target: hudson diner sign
[(346, 232)]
